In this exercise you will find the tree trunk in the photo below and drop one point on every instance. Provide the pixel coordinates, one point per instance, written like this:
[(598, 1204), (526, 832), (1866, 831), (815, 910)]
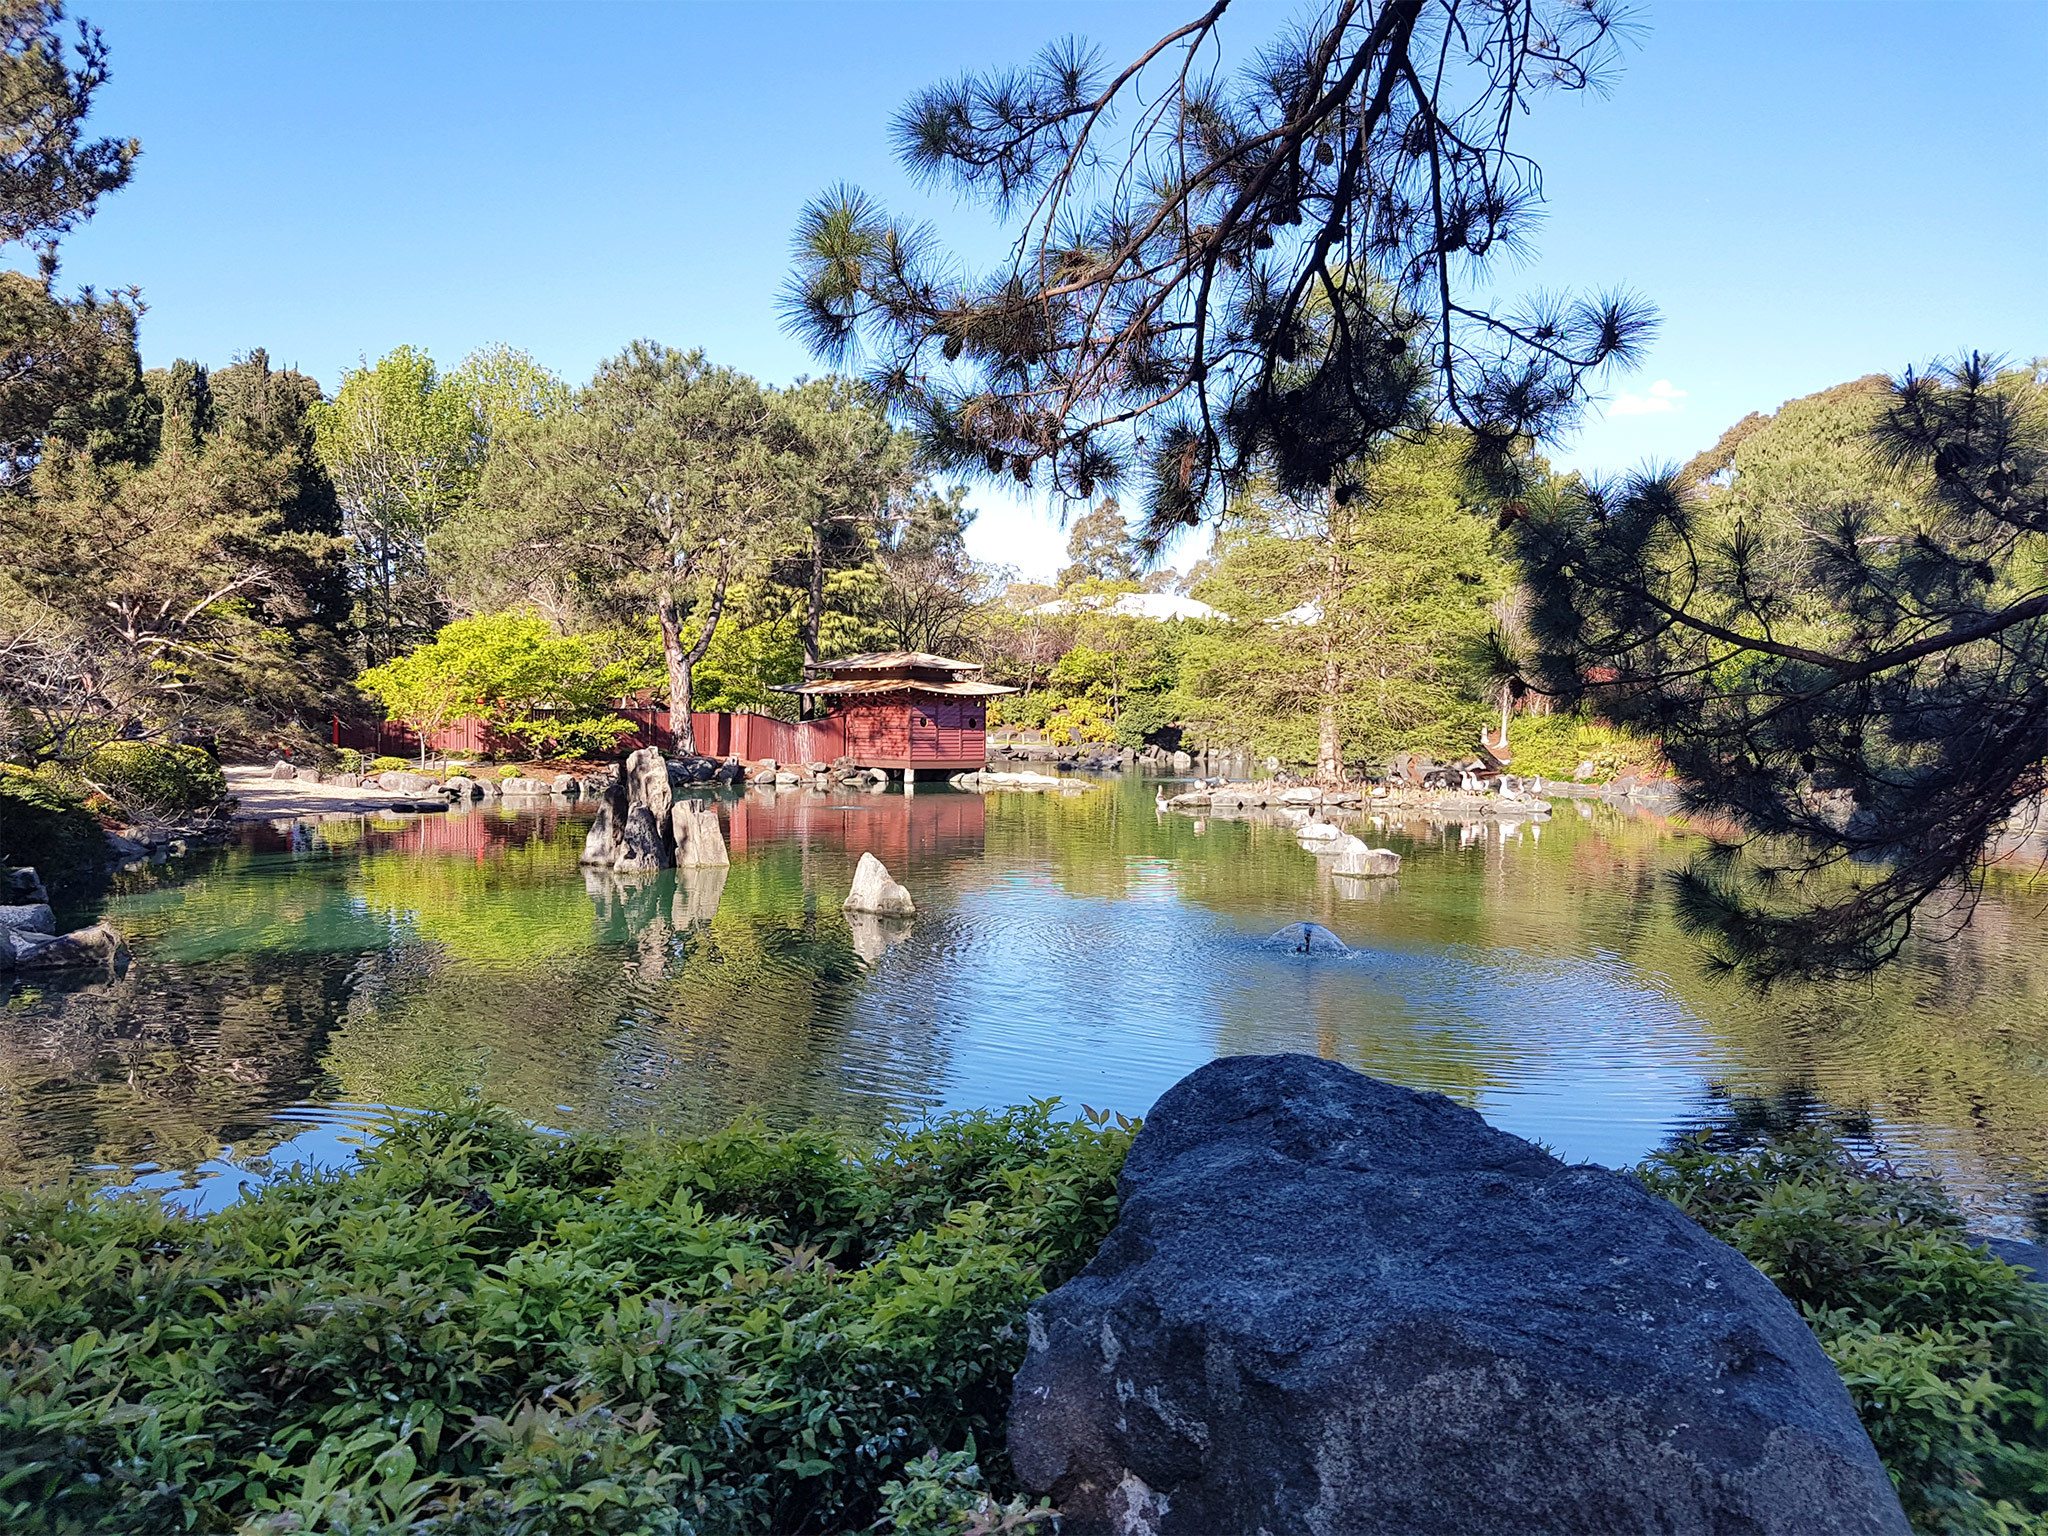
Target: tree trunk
[(1329, 747), (814, 608), (681, 727)]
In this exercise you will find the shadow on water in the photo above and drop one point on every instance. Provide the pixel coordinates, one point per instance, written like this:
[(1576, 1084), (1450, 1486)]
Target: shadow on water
[(1086, 946)]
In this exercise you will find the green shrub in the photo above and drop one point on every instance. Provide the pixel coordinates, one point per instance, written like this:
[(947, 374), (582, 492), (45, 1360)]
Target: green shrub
[(1558, 746), (388, 764), (44, 824), (148, 776), (483, 1329), (348, 760), (1943, 1347)]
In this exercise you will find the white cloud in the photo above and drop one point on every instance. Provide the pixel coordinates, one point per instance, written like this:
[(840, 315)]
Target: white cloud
[(1661, 398)]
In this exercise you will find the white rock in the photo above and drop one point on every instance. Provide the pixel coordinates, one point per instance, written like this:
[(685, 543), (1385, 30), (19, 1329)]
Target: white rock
[(1355, 858), (1301, 794), (283, 770), (1318, 832), (873, 891)]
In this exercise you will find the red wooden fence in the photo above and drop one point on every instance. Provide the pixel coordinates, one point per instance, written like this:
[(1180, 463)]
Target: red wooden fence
[(747, 736)]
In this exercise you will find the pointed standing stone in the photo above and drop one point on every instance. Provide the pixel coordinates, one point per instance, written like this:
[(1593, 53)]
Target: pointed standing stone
[(873, 891)]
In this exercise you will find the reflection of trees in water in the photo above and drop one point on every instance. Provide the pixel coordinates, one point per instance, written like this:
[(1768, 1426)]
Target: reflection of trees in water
[(403, 962), (1951, 1046), (705, 992), (164, 1064)]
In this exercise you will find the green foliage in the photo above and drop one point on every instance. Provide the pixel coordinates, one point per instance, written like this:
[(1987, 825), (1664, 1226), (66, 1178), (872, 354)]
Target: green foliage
[(942, 1494), (1383, 595), (405, 447), (1558, 745), (484, 1329), (1838, 642), (44, 824), (551, 693), (158, 778), (1943, 1347), (176, 565), (386, 764)]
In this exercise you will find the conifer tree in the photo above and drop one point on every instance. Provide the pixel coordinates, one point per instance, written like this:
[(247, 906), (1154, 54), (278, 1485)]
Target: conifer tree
[(1216, 274), (1844, 652)]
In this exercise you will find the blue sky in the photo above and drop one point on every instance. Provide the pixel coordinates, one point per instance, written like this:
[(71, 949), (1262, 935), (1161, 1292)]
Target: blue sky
[(1808, 192)]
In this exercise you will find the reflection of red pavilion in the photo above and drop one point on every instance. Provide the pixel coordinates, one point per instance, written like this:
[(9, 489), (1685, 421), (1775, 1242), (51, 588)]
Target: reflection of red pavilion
[(906, 709)]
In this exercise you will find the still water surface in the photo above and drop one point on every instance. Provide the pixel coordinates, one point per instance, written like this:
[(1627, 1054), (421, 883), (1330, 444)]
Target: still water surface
[(287, 990)]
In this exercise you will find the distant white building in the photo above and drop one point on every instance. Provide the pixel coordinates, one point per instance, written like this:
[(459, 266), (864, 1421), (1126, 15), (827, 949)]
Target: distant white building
[(1136, 605), (1310, 612)]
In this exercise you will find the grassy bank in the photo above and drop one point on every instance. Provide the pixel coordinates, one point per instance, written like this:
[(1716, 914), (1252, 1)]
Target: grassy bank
[(489, 1330)]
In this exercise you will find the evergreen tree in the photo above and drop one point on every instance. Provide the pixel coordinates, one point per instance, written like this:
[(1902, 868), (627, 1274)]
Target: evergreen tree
[(1218, 275), (1844, 649), (1100, 548), (850, 468), (182, 563), (1352, 615)]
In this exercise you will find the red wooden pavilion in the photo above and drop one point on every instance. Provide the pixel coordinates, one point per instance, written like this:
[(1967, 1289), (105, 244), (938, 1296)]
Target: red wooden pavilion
[(905, 709)]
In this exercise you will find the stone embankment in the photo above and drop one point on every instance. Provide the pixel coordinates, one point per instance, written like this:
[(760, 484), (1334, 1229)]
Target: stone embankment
[(1331, 1304), (1513, 800), (985, 781)]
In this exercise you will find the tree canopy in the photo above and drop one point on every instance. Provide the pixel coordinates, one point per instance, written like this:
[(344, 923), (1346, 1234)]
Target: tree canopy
[(1215, 272), (664, 481), (1844, 650)]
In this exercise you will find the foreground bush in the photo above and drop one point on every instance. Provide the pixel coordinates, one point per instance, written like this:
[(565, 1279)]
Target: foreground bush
[(1944, 1348), (489, 1330), (150, 777), (44, 824)]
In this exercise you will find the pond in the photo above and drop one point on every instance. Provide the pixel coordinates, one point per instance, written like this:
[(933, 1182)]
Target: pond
[(288, 990)]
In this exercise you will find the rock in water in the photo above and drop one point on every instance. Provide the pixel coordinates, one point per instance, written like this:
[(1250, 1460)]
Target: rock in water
[(1339, 1307), (873, 891), (1355, 858), (699, 842), (647, 785), (29, 917), (1308, 939), (99, 945), (642, 846), (22, 884), (601, 842)]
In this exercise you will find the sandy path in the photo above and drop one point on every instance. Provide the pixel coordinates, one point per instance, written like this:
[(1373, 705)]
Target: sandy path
[(264, 798)]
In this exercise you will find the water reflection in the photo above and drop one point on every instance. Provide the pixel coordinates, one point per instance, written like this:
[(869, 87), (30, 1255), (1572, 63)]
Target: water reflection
[(1086, 946)]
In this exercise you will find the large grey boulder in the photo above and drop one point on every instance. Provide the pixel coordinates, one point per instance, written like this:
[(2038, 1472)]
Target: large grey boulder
[(101, 945), (698, 839), (873, 891), (520, 785), (647, 784), (22, 884), (399, 782), (643, 845), (28, 917), (1335, 1306)]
